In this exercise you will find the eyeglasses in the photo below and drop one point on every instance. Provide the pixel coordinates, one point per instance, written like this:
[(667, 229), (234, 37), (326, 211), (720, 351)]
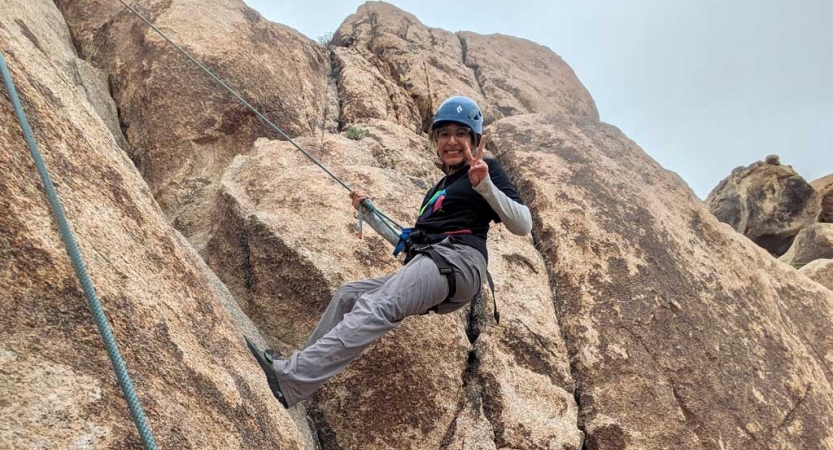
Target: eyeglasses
[(460, 134)]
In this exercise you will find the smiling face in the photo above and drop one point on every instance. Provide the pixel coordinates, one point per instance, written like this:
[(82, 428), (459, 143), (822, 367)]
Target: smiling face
[(452, 140)]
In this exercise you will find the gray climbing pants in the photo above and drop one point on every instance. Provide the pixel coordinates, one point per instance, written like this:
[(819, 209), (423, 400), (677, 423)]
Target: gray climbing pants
[(363, 311)]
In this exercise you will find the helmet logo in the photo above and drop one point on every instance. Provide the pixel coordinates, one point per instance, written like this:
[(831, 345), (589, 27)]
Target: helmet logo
[(460, 110)]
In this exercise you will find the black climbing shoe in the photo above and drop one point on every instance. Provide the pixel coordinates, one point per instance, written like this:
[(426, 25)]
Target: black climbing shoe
[(265, 360)]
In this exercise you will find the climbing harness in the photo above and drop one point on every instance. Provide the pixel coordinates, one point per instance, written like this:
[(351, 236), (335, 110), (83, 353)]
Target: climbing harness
[(446, 269), (367, 204), (136, 412), (414, 242)]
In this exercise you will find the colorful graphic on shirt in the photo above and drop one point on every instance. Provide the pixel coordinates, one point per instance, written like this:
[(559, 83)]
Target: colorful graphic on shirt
[(433, 205)]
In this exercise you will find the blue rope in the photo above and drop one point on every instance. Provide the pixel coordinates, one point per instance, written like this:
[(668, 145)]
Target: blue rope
[(80, 269), (385, 219)]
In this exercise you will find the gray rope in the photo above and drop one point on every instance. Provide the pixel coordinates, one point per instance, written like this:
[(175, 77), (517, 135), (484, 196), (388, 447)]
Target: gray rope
[(385, 218), (104, 329)]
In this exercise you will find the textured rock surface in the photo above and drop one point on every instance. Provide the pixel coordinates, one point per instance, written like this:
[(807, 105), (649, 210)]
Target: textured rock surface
[(669, 316), (820, 271), (517, 76), (182, 127), (274, 235), (677, 331), (196, 380), (393, 67), (521, 375), (282, 215), (768, 203), (97, 90), (267, 231), (824, 187), (813, 242)]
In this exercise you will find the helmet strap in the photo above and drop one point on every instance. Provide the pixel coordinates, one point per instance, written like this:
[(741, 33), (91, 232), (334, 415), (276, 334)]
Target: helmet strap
[(448, 169), (455, 167)]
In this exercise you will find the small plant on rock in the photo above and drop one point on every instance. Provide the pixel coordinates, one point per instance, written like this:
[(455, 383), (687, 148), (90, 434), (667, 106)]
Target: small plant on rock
[(356, 133), (326, 39)]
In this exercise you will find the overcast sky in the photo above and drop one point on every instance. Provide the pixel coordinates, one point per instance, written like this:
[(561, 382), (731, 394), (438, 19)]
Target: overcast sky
[(702, 85)]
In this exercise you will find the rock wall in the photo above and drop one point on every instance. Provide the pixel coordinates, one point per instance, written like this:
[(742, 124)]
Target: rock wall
[(824, 186), (767, 202), (197, 382), (681, 332), (183, 128), (631, 319), (393, 67)]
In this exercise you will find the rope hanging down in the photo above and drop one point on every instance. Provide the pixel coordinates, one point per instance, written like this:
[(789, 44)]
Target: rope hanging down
[(104, 329), (366, 203)]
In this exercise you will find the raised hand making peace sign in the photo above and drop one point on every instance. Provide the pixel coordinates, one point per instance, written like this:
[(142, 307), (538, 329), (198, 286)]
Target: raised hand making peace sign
[(478, 170)]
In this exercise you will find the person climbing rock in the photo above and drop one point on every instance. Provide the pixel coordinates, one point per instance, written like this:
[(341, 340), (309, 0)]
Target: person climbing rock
[(445, 264)]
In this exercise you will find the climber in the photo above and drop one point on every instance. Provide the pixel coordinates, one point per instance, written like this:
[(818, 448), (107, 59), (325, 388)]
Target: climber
[(445, 260)]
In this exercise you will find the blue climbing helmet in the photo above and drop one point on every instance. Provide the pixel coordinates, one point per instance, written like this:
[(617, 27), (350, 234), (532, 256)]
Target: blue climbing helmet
[(460, 110)]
